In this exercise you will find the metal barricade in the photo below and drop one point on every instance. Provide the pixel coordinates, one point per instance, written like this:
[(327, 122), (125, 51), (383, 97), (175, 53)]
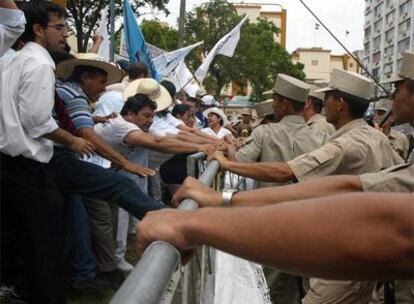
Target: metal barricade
[(148, 281)]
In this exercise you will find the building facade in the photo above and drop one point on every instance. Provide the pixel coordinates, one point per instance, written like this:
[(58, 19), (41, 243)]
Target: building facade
[(389, 31), (319, 63)]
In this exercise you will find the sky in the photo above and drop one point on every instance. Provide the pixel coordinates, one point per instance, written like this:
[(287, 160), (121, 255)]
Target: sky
[(338, 15)]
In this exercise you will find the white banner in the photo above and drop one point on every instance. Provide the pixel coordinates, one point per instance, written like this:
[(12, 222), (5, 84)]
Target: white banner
[(225, 46), (104, 48), (167, 62), (183, 79)]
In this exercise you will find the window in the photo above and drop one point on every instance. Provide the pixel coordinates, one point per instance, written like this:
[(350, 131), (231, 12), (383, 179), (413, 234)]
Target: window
[(377, 26), (388, 68), (366, 48), (405, 9), (314, 62), (351, 65), (404, 26), (377, 42), (389, 35), (389, 50), (403, 45), (390, 18)]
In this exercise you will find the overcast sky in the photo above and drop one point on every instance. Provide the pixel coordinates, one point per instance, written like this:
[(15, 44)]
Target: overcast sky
[(338, 15)]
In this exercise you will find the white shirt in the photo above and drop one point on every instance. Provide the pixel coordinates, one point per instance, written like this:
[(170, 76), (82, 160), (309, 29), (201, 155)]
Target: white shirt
[(12, 23), (221, 133), (114, 132), (109, 102), (164, 125), (27, 88)]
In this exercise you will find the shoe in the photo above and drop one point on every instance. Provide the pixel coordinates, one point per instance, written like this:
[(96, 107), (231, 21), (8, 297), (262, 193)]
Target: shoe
[(93, 284), (125, 267)]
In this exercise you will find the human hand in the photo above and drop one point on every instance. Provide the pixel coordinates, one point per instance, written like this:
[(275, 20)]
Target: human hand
[(165, 225), (137, 169), (219, 156), (193, 189), (207, 148), (97, 39), (81, 146)]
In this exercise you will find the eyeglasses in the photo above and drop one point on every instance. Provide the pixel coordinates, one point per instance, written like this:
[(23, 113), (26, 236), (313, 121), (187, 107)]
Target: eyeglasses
[(59, 27)]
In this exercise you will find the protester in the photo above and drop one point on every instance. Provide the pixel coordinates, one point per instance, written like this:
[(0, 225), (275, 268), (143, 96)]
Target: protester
[(216, 122)]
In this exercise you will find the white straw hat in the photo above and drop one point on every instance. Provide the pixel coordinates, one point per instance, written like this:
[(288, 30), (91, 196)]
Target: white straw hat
[(218, 112), (65, 68), (152, 89)]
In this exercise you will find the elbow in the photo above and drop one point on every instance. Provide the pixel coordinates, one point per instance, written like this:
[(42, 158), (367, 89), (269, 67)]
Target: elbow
[(283, 174)]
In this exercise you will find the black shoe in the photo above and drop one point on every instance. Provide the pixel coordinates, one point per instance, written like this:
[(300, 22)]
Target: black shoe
[(93, 284)]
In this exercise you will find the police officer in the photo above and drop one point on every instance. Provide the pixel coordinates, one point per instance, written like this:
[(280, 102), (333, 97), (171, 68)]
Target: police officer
[(355, 148), (313, 110), (265, 113)]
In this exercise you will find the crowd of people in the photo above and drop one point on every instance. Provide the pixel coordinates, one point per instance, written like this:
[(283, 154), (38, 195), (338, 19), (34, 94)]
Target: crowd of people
[(90, 148)]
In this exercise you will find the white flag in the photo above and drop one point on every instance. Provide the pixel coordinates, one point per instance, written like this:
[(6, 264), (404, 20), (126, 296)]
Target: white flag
[(183, 79), (225, 46), (167, 62), (104, 48)]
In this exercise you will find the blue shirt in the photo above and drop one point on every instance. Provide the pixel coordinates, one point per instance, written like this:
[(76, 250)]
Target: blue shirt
[(76, 104)]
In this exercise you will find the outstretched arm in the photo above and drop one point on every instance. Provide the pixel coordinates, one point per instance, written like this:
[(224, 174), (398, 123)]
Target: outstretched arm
[(347, 237), (264, 171), (319, 187)]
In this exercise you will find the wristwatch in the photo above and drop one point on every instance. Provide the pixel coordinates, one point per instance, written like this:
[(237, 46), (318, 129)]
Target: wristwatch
[(227, 194)]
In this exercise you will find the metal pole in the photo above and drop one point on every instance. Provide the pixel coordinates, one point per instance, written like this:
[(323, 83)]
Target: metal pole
[(148, 281), (181, 22), (112, 20)]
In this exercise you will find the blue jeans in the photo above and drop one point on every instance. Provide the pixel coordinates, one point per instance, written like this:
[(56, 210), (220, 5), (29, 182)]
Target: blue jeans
[(78, 177), (80, 254)]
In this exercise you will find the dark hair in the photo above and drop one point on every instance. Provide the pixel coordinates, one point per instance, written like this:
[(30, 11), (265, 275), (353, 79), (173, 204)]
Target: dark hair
[(409, 84), (170, 87), (317, 104), (219, 118), (137, 70), (60, 56), (80, 70), (180, 109), (136, 103), (39, 12), (123, 64), (357, 106)]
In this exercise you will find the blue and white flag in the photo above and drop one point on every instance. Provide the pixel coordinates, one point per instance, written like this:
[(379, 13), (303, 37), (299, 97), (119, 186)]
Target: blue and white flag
[(137, 49), (167, 62), (225, 46)]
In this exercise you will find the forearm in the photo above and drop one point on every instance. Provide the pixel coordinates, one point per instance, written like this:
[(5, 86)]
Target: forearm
[(171, 145), (319, 187), (8, 4), (355, 236), (190, 137), (102, 148), (267, 172), (60, 136)]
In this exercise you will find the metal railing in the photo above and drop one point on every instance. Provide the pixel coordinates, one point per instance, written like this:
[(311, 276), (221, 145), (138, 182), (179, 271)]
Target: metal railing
[(148, 281)]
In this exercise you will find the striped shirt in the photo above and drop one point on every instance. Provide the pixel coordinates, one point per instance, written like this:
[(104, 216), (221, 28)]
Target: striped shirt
[(76, 104)]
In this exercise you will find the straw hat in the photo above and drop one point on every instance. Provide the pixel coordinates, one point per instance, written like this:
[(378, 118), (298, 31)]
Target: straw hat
[(152, 89), (350, 83), (65, 68), (218, 112), (290, 87)]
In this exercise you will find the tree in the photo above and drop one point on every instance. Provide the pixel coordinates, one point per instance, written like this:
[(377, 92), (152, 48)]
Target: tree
[(155, 33), (84, 15), (257, 59)]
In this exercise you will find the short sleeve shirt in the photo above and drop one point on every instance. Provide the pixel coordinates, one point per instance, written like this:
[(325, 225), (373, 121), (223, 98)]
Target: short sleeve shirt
[(395, 179), (399, 142), (356, 148), (163, 125), (220, 134), (280, 142), (109, 102), (76, 104)]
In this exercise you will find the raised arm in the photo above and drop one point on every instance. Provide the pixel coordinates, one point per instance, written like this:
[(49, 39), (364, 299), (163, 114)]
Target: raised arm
[(347, 237)]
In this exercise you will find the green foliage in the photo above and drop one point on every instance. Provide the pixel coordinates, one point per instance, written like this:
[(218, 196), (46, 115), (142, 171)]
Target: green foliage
[(84, 15), (257, 59), (163, 37)]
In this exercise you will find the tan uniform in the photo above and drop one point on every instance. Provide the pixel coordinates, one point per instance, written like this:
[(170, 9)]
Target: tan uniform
[(280, 142), (399, 142), (319, 122), (410, 158), (356, 148)]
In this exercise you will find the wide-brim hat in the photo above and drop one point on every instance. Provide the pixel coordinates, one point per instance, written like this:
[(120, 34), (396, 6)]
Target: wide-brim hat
[(290, 87), (65, 68), (246, 111), (208, 100), (218, 112), (151, 88), (406, 70), (350, 83)]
